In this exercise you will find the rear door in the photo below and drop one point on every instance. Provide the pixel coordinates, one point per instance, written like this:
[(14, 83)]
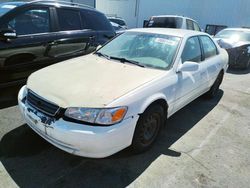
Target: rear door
[(212, 60), (73, 39), (28, 52)]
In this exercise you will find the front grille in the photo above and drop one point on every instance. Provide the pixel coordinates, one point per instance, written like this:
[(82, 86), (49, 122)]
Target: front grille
[(41, 104)]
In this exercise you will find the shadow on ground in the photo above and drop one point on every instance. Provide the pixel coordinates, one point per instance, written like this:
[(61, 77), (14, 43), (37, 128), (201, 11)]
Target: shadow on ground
[(8, 96), (32, 162)]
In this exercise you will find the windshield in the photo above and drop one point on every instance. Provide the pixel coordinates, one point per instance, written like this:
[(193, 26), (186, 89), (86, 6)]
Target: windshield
[(165, 22), (6, 7), (234, 35), (149, 50)]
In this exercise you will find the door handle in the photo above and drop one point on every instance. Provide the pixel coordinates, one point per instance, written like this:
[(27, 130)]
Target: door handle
[(52, 43)]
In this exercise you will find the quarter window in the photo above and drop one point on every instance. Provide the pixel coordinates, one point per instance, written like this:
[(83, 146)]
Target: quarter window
[(192, 50), (190, 25), (31, 22), (208, 46), (196, 27), (68, 19)]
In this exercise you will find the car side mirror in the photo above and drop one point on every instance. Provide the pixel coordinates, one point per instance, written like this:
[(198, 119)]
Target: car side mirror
[(188, 66), (7, 34)]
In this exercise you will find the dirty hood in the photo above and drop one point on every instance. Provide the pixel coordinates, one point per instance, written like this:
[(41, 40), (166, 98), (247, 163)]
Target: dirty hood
[(88, 81)]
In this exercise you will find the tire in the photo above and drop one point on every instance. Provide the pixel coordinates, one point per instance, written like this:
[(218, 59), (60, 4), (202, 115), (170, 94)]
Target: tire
[(148, 128), (215, 87)]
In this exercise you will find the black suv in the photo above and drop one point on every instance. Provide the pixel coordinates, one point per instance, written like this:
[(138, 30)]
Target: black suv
[(36, 34)]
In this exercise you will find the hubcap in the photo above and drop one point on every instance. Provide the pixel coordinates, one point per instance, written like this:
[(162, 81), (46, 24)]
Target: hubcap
[(150, 128)]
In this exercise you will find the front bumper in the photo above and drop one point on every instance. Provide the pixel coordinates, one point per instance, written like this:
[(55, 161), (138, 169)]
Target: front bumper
[(79, 139)]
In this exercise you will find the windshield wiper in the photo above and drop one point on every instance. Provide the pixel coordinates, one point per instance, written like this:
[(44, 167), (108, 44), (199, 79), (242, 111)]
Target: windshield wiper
[(101, 54), (123, 60)]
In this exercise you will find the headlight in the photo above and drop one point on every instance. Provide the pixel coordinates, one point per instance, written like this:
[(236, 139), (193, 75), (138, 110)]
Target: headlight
[(105, 116)]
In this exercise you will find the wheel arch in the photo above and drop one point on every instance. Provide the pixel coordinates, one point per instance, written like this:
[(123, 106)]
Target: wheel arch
[(155, 99)]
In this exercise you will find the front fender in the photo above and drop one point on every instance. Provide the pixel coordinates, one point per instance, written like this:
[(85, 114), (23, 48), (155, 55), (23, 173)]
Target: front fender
[(150, 100)]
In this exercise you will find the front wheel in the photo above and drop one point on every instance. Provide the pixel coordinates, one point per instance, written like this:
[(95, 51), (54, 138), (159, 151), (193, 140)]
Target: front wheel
[(147, 128), (215, 87)]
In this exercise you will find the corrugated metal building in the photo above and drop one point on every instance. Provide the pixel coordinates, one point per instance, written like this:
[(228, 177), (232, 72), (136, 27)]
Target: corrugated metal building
[(231, 13)]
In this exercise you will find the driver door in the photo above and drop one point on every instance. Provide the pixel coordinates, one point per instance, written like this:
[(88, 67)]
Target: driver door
[(189, 82)]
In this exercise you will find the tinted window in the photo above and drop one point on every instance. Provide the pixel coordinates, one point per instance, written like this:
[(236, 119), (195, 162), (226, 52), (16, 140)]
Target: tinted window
[(165, 22), (31, 22), (196, 27), (192, 50), (96, 21), (208, 46), (68, 19), (214, 29), (190, 25)]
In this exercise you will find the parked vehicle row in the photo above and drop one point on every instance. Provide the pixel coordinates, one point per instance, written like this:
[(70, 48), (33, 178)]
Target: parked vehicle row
[(37, 34), (121, 95), (237, 43)]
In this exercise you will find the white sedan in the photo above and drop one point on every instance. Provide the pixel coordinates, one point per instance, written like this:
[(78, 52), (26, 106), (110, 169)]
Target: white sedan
[(121, 95)]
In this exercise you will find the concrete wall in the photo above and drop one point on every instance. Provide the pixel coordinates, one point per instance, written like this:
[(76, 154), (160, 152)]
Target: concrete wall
[(233, 13), (87, 2), (123, 8)]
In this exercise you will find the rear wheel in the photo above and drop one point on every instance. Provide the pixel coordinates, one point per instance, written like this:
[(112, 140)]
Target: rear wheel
[(215, 87), (147, 128)]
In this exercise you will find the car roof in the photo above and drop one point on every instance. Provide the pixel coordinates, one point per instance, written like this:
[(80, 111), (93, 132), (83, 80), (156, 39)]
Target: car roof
[(175, 16), (238, 29), (55, 3), (168, 31)]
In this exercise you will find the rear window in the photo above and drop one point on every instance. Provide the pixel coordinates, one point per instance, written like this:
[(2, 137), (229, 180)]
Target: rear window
[(96, 21), (69, 19), (166, 22)]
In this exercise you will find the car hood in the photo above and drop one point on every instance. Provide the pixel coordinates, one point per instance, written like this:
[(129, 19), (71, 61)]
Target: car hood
[(227, 43), (88, 81)]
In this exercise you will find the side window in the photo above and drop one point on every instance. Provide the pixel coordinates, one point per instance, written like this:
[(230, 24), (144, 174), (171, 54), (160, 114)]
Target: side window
[(68, 19), (32, 21), (190, 25), (196, 27), (208, 46), (96, 21), (192, 50)]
